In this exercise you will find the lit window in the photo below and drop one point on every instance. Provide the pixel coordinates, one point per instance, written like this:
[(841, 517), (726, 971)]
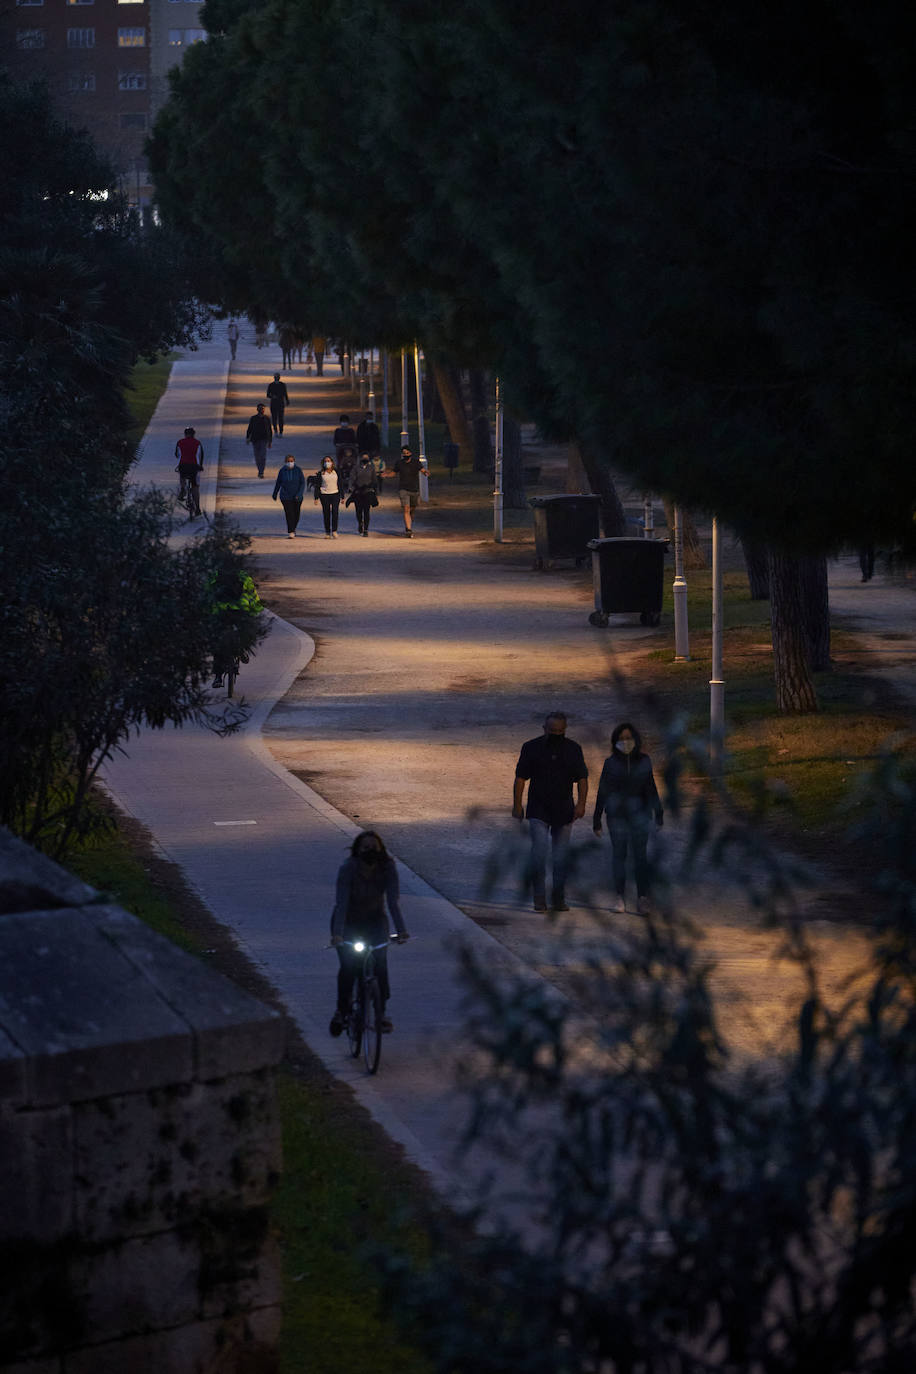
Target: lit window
[(195, 35), (131, 81), (81, 38), (130, 2), (131, 38), (80, 2), (176, 38), (30, 38), (30, 2), (133, 121)]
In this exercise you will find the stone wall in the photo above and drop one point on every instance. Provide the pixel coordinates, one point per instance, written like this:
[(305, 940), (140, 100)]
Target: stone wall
[(139, 1144)]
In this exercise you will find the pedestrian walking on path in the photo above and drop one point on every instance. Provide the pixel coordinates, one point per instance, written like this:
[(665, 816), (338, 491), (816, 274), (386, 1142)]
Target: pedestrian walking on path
[(278, 396), (407, 471), (628, 797), (364, 492), (190, 454), (552, 765), (260, 436), (290, 487), (319, 347), (326, 486), (367, 882), (232, 334)]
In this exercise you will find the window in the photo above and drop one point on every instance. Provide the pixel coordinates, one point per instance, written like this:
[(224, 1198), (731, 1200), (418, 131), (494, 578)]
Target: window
[(131, 38), (133, 121), (30, 38), (131, 81), (81, 81), (81, 38), (80, 2), (130, 2), (30, 2), (195, 35), (176, 36)]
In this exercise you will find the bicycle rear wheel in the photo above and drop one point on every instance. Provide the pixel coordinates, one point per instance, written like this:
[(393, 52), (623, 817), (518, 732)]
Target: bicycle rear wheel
[(355, 1023), (231, 676), (372, 1024)]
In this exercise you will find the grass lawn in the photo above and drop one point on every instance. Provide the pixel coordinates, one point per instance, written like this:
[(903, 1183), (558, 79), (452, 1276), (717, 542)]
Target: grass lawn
[(147, 383)]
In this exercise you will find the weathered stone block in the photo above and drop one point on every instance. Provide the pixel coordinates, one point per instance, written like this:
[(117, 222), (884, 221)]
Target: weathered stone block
[(145, 1161), (88, 1021), (233, 1032), (31, 882), (244, 1345), (33, 1367), (139, 1286), (12, 1071), (36, 1175)]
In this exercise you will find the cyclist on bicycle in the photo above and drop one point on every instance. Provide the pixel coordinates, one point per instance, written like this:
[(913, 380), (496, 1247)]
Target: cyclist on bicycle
[(190, 454), (366, 882), (235, 603)]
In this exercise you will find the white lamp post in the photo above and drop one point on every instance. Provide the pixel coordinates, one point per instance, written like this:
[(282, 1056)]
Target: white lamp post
[(384, 398), (405, 435), (716, 682), (424, 466), (498, 484)]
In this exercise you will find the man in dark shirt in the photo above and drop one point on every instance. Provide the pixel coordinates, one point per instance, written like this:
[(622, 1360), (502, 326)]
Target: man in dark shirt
[(551, 765), (407, 470), (260, 436), (278, 396)]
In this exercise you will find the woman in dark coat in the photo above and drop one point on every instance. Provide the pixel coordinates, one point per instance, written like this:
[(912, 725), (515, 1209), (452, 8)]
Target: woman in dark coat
[(628, 797), (366, 883)]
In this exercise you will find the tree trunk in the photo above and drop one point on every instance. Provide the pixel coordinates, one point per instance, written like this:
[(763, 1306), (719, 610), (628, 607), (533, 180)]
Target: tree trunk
[(694, 557), (816, 611), (758, 568), (795, 694), (480, 419), (613, 520), (514, 497), (453, 406)]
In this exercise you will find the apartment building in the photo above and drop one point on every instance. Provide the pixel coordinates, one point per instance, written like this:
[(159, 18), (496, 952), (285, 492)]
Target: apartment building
[(106, 63)]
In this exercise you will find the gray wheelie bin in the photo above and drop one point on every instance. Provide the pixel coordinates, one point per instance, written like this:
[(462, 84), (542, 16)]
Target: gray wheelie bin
[(628, 576), (563, 527)]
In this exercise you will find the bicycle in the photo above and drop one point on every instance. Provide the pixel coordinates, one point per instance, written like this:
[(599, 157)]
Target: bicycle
[(188, 496), (363, 1021)]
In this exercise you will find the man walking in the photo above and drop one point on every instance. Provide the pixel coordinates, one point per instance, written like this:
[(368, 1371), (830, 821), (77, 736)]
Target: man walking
[(260, 436), (319, 345), (368, 439), (407, 471), (279, 400), (551, 765), (232, 334)]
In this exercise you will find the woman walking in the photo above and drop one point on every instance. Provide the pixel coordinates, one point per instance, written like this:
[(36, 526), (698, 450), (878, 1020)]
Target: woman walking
[(326, 485), (366, 883), (290, 487), (628, 797), (363, 492)]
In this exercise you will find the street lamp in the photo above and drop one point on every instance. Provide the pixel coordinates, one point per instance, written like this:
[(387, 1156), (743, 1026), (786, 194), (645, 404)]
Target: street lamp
[(424, 478), (679, 589), (405, 436), (498, 472), (716, 682)]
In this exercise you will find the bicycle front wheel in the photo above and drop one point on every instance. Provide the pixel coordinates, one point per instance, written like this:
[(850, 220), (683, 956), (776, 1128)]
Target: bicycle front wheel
[(372, 1024), (355, 1024)]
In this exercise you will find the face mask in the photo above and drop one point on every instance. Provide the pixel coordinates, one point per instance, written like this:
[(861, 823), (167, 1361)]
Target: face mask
[(327, 467), (289, 465), (626, 746)]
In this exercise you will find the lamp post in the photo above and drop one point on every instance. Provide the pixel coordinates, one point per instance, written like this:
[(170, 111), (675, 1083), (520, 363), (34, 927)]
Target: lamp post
[(679, 589), (716, 682), (424, 466), (498, 473), (405, 436), (371, 381), (384, 398), (648, 518)]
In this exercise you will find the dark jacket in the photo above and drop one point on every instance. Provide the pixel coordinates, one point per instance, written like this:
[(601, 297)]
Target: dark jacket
[(278, 393), (359, 906), (368, 439), (290, 483), (259, 427), (363, 477), (626, 789), (551, 765), (345, 434)]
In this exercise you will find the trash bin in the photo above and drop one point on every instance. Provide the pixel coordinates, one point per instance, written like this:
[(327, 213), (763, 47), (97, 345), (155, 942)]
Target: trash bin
[(563, 526), (628, 575)]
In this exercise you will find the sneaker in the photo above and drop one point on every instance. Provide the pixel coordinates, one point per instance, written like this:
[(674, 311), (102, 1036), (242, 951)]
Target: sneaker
[(539, 904), (618, 903), (386, 1025), (260, 474), (291, 535), (408, 534), (337, 1024), (365, 534), (327, 536), (643, 906), (333, 534), (560, 906)]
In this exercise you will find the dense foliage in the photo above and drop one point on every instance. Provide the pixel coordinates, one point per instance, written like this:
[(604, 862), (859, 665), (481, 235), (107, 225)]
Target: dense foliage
[(102, 626)]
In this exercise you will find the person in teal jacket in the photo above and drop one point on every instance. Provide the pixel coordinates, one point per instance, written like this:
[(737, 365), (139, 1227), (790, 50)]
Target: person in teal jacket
[(290, 487)]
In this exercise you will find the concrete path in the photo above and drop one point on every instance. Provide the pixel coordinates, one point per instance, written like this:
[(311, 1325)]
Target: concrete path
[(406, 674)]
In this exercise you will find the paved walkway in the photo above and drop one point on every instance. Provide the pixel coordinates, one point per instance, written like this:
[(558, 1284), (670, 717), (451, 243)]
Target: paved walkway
[(426, 663)]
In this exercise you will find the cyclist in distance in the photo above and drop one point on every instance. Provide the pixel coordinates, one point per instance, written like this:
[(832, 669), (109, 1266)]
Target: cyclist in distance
[(190, 454), (366, 883)]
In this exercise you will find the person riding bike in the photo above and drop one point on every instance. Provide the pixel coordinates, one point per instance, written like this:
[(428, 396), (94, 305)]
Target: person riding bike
[(367, 884), (190, 454), (235, 600)]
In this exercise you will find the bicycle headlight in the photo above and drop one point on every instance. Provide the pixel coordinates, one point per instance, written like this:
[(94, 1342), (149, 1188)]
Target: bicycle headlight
[(358, 946)]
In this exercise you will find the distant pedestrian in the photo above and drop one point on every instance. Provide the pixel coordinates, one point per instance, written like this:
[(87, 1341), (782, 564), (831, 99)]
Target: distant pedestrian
[(260, 436), (278, 396), (326, 486), (286, 337), (319, 348), (290, 487), (339, 349), (407, 471), (363, 492), (368, 439), (232, 334), (367, 882), (299, 342), (190, 454), (551, 765), (628, 797), (867, 561)]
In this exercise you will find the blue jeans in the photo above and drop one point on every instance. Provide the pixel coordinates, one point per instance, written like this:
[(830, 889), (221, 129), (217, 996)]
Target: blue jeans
[(630, 833), (557, 836)]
